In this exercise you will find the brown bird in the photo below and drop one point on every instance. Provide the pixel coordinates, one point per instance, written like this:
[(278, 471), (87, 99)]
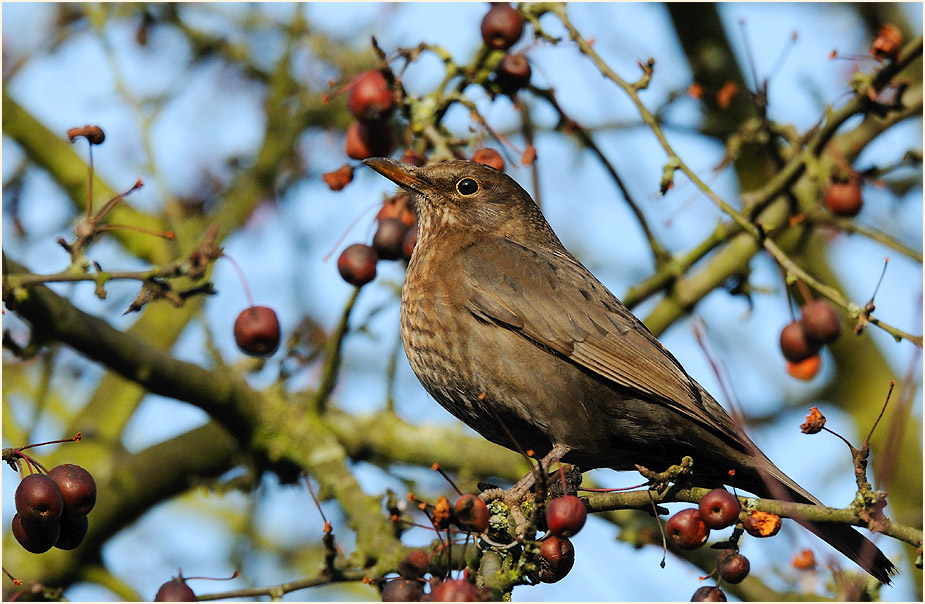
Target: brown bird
[(506, 329)]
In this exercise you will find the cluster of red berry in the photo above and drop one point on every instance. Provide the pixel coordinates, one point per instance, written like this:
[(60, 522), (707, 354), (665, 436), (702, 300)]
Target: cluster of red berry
[(396, 233), (800, 341), (502, 27), (52, 508), (372, 99), (554, 558), (689, 529)]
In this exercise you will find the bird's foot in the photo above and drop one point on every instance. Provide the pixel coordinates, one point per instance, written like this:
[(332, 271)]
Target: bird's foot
[(514, 496)]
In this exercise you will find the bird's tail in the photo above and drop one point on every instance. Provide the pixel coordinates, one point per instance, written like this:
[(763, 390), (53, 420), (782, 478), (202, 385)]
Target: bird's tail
[(856, 546), (770, 481)]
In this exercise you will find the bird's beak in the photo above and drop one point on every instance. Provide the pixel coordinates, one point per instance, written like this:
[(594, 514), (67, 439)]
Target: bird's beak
[(402, 174)]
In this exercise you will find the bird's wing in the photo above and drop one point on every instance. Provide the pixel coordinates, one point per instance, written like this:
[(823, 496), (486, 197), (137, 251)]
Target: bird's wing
[(557, 303)]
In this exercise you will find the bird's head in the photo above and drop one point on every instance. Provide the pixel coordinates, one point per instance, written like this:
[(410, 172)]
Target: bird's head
[(466, 197)]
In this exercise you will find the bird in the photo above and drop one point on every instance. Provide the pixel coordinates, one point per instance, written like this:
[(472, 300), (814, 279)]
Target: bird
[(511, 334)]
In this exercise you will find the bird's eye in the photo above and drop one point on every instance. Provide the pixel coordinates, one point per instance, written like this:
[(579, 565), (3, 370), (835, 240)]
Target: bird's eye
[(467, 187)]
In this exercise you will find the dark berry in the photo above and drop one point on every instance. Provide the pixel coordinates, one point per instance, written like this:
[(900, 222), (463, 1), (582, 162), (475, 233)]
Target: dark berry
[(471, 514), (709, 594), (77, 487), (370, 97), (502, 26), (73, 531), (389, 237), (566, 515), (820, 322), (175, 590), (686, 529), (733, 566), (513, 73), (369, 139), (794, 344), (414, 565), (844, 198), (719, 508), (256, 331), (454, 590), (489, 157), (557, 555), (39, 499), (36, 537), (411, 240), (93, 134), (402, 590), (357, 264)]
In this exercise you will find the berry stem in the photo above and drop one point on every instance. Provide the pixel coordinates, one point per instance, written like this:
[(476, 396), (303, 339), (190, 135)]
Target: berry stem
[(247, 289), (882, 410), (15, 581), (327, 525), (805, 292), (90, 183), (74, 438), (437, 467), (347, 230), (128, 227)]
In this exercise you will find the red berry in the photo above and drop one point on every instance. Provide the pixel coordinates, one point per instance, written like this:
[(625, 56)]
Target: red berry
[(370, 97), (369, 139), (844, 198), (489, 157), (794, 344), (733, 566), (36, 537), (471, 514), (820, 322), (175, 590), (686, 529), (357, 264), (411, 240), (414, 565), (709, 594), (719, 508), (513, 73), (454, 590), (73, 531), (566, 515), (557, 555), (256, 331), (39, 499), (77, 487), (402, 590), (502, 26), (389, 238)]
